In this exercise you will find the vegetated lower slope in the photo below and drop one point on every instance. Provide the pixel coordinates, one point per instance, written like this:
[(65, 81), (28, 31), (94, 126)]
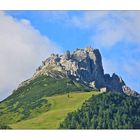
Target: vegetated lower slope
[(28, 101), (61, 105), (106, 111)]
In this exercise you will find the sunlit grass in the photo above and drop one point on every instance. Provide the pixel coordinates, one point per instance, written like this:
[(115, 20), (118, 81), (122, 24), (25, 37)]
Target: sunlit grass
[(60, 106)]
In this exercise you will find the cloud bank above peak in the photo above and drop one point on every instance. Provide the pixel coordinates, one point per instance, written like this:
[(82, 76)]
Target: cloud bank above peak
[(110, 27), (22, 48)]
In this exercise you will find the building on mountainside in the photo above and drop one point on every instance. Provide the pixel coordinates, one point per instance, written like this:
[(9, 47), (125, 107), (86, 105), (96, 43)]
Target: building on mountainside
[(104, 89)]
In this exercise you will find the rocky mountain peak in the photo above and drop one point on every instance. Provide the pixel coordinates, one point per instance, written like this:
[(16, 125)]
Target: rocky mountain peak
[(84, 66)]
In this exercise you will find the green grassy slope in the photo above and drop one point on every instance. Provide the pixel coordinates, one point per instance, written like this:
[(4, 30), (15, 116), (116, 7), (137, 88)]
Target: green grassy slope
[(60, 106), (29, 100)]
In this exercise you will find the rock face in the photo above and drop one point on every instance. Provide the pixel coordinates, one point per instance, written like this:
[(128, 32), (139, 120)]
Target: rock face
[(129, 91), (84, 66), (114, 83)]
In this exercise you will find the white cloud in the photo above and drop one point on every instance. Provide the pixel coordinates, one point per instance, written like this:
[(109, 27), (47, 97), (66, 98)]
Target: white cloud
[(22, 48), (25, 22), (110, 27)]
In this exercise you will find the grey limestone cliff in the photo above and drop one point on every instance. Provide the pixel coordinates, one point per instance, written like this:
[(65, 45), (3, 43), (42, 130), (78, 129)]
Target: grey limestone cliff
[(84, 66)]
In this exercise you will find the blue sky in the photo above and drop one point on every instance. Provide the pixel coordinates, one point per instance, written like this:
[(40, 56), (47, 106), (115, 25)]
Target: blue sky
[(56, 25), (115, 33)]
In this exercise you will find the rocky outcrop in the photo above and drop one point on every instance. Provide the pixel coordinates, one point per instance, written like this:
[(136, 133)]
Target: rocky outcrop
[(129, 91), (84, 66), (114, 83)]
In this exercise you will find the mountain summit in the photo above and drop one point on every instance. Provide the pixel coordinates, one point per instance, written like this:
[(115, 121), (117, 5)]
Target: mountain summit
[(83, 66)]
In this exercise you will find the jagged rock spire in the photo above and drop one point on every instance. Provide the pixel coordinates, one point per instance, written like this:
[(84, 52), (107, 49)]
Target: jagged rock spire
[(84, 66)]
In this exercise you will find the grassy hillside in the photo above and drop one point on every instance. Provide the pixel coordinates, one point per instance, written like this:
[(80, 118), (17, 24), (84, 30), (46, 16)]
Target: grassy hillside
[(106, 111), (29, 100), (60, 106)]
